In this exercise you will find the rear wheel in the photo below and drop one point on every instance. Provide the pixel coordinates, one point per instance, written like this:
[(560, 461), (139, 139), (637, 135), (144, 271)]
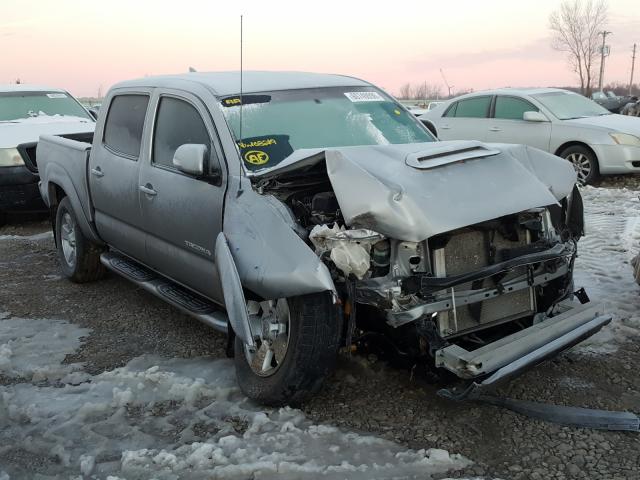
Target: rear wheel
[(295, 351), (79, 258), (584, 162)]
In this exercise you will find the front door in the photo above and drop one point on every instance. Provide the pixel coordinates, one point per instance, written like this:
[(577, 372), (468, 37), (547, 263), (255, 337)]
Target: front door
[(182, 213), (508, 126)]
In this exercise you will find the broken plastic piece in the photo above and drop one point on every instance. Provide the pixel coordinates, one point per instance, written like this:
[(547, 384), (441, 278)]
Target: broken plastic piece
[(570, 416)]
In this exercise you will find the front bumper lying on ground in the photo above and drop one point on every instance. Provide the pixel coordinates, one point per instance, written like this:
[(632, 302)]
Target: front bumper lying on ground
[(510, 355)]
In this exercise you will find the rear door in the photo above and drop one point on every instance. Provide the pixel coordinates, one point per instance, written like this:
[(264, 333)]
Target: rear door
[(113, 173), (182, 214), (508, 126), (466, 119)]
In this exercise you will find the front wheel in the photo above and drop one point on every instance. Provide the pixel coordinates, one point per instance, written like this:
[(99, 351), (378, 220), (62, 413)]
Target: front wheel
[(584, 162), (79, 258), (295, 351)]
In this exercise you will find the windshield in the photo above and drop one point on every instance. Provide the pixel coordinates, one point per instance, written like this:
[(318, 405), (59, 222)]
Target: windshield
[(567, 105), (275, 124), (23, 106)]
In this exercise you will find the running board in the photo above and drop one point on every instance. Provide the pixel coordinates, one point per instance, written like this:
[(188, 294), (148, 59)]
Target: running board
[(172, 293), (509, 355)]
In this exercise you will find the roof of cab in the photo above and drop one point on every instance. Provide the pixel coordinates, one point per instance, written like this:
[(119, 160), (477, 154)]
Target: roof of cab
[(228, 83), (22, 87)]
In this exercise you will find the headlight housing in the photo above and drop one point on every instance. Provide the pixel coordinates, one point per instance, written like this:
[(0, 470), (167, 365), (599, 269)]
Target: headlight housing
[(10, 157), (625, 139)]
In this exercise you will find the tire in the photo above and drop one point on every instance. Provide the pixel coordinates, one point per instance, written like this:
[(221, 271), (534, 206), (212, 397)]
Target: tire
[(584, 161), (79, 258), (314, 334)]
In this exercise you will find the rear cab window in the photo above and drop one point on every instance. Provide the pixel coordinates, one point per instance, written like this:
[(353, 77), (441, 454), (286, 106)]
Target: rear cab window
[(476, 107), (512, 108), (124, 124)]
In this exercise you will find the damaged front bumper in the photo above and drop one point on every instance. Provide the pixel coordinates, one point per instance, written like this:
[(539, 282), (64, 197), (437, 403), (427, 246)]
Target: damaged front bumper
[(509, 356)]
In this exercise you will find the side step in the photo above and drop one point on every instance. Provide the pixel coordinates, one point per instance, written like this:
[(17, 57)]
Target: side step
[(172, 293)]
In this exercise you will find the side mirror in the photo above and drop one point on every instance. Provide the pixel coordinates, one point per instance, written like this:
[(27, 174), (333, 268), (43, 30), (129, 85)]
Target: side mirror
[(534, 117), (93, 112), (189, 158)]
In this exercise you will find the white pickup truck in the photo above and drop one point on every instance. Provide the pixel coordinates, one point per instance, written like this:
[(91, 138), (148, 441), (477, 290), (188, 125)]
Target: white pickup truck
[(307, 211)]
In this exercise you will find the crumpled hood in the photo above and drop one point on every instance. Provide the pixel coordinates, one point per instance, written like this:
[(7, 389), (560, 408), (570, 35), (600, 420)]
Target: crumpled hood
[(14, 134), (451, 187), (613, 122)]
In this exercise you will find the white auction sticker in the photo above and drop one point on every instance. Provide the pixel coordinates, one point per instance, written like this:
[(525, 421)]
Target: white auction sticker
[(56, 95), (364, 96)]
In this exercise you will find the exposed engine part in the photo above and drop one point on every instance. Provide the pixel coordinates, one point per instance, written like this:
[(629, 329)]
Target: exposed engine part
[(381, 258), (324, 207), (349, 249)]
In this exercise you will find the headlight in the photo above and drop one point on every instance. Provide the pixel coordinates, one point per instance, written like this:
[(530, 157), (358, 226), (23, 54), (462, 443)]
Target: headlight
[(10, 157), (625, 139)]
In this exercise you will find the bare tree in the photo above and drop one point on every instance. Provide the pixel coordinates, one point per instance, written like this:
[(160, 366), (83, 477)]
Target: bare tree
[(575, 26), (406, 91), (420, 91)]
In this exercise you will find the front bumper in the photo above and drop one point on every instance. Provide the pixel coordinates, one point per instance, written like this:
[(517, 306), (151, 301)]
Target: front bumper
[(510, 355), (19, 190), (617, 158)]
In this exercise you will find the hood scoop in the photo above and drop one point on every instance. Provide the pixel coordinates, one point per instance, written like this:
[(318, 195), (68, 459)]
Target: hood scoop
[(445, 154)]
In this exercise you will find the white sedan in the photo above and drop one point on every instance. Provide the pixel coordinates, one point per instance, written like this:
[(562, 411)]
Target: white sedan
[(557, 121)]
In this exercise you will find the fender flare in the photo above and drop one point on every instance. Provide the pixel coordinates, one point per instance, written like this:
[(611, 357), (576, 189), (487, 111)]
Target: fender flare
[(234, 300)]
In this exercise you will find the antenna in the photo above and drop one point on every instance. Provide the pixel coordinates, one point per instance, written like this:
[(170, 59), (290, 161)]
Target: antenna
[(241, 100), (239, 191)]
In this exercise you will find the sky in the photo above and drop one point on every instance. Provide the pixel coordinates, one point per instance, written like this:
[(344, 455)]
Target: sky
[(86, 46)]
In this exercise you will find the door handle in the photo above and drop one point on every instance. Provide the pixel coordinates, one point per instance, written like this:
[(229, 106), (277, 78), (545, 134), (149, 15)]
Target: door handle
[(97, 172), (148, 189), (495, 129), (445, 127)]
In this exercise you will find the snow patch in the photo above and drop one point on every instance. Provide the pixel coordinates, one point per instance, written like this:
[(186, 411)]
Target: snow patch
[(29, 238), (176, 418), (612, 223), (34, 349)]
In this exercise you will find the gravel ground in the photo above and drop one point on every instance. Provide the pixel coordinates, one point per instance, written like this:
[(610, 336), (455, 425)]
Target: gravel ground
[(364, 394)]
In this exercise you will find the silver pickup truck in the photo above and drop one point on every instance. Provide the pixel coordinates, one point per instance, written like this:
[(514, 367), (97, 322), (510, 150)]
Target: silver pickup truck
[(306, 213)]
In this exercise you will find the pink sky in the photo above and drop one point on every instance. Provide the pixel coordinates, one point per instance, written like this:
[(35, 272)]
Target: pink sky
[(84, 45)]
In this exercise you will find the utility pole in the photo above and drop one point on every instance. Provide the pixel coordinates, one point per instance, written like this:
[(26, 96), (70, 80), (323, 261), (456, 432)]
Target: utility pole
[(633, 64), (604, 34)]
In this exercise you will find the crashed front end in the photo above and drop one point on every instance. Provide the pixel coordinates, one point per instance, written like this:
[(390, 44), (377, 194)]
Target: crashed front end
[(467, 248)]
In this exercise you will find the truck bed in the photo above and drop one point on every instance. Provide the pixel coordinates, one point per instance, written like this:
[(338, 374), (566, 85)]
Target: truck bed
[(64, 162)]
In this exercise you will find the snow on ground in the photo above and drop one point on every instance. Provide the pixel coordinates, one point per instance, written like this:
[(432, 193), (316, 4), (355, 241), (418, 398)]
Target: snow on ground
[(612, 223), (29, 238), (172, 418)]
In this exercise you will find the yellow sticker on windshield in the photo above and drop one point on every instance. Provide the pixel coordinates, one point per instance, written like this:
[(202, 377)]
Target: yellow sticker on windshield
[(397, 112), (256, 157)]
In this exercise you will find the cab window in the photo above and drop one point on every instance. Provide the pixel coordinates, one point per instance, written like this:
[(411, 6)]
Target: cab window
[(512, 108), (124, 124), (177, 123)]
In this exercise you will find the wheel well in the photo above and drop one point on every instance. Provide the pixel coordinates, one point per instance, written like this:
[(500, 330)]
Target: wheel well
[(430, 126), (566, 145), (56, 194)]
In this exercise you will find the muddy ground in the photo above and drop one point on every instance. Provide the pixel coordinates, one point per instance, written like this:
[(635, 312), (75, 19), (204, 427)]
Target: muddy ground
[(364, 394)]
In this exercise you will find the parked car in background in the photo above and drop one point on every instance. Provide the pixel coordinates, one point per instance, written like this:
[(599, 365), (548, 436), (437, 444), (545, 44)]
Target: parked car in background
[(558, 121), (610, 100), (26, 112), (416, 110), (313, 212), (433, 105)]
